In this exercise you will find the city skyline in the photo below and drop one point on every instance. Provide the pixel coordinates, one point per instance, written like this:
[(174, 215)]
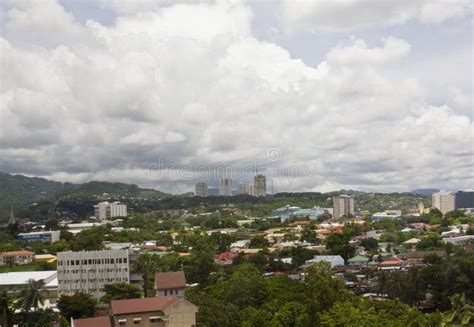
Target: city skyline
[(323, 99)]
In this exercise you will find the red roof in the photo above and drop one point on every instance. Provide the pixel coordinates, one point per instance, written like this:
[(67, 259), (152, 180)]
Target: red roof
[(93, 322), (170, 280), (148, 304), (391, 262), (225, 256)]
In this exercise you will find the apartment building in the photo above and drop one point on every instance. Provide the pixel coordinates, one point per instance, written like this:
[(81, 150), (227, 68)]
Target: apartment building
[(343, 206), (89, 271), (443, 201), (106, 210), (201, 189)]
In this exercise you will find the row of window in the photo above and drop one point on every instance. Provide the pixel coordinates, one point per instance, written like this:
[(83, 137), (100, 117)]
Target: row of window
[(170, 292), (93, 271), (137, 321), (92, 261), (100, 280)]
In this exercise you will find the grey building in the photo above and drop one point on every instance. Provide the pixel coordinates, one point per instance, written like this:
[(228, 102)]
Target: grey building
[(201, 189), (464, 199)]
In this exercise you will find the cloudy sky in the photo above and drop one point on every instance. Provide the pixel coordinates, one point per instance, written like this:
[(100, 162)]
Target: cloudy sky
[(318, 95)]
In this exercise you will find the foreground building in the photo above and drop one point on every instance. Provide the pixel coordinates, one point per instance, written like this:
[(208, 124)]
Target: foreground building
[(14, 282), (161, 311), (89, 271)]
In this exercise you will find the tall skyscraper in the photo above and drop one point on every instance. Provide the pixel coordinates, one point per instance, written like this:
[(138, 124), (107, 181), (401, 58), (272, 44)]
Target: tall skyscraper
[(260, 185), (201, 189), (343, 205), (225, 187), (464, 199), (444, 201)]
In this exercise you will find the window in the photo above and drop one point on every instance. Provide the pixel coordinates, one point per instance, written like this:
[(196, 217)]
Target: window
[(136, 321), (166, 292), (122, 322)]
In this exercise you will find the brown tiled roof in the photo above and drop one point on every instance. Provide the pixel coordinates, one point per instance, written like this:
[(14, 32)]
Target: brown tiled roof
[(170, 280), (149, 304), (93, 322)]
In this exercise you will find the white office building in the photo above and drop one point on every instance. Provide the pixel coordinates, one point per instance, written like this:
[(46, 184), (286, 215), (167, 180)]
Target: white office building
[(45, 236), (89, 271), (106, 210), (444, 201)]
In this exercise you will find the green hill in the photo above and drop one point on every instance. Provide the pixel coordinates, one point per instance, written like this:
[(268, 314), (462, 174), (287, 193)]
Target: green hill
[(22, 191)]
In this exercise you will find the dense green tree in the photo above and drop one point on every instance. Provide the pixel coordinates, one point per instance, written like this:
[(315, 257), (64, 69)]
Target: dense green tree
[(201, 263), (145, 265), (322, 289), (292, 314), (6, 308), (246, 287), (370, 244), (120, 291), (38, 318), (259, 242), (77, 306), (338, 243)]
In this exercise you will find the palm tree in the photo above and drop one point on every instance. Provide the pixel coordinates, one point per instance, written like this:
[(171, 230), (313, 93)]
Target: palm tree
[(146, 266), (32, 296), (6, 304), (461, 313)]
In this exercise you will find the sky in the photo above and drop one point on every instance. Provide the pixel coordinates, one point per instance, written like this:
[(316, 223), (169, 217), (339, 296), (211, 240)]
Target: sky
[(316, 95)]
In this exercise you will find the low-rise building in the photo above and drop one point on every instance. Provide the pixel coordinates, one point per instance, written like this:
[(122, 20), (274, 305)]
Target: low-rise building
[(16, 257), (172, 283), (14, 282), (387, 214), (45, 236), (334, 260), (359, 261)]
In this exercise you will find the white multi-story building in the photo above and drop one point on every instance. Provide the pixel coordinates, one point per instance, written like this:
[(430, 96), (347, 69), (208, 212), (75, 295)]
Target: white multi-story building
[(343, 205), (201, 189), (45, 236), (106, 210), (89, 271), (444, 201), (225, 187)]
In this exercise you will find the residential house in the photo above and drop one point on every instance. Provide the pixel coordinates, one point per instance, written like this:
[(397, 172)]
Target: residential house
[(334, 260), (16, 257), (161, 311), (359, 261), (172, 283)]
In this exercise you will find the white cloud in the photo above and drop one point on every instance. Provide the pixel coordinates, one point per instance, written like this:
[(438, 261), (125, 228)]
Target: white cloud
[(345, 15), (358, 52), (191, 84)]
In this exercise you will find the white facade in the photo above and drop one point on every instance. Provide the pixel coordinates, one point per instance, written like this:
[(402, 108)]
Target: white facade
[(334, 260), (89, 271), (443, 201), (106, 210)]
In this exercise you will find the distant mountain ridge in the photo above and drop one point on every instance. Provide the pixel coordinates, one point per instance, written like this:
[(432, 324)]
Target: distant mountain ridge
[(19, 191), (425, 191)]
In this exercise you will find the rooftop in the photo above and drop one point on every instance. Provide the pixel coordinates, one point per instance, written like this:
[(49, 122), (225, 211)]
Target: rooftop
[(21, 278), (149, 304), (92, 322), (170, 280)]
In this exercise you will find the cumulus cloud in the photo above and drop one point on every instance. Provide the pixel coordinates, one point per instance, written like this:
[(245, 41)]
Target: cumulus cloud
[(164, 95), (359, 52), (345, 15)]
